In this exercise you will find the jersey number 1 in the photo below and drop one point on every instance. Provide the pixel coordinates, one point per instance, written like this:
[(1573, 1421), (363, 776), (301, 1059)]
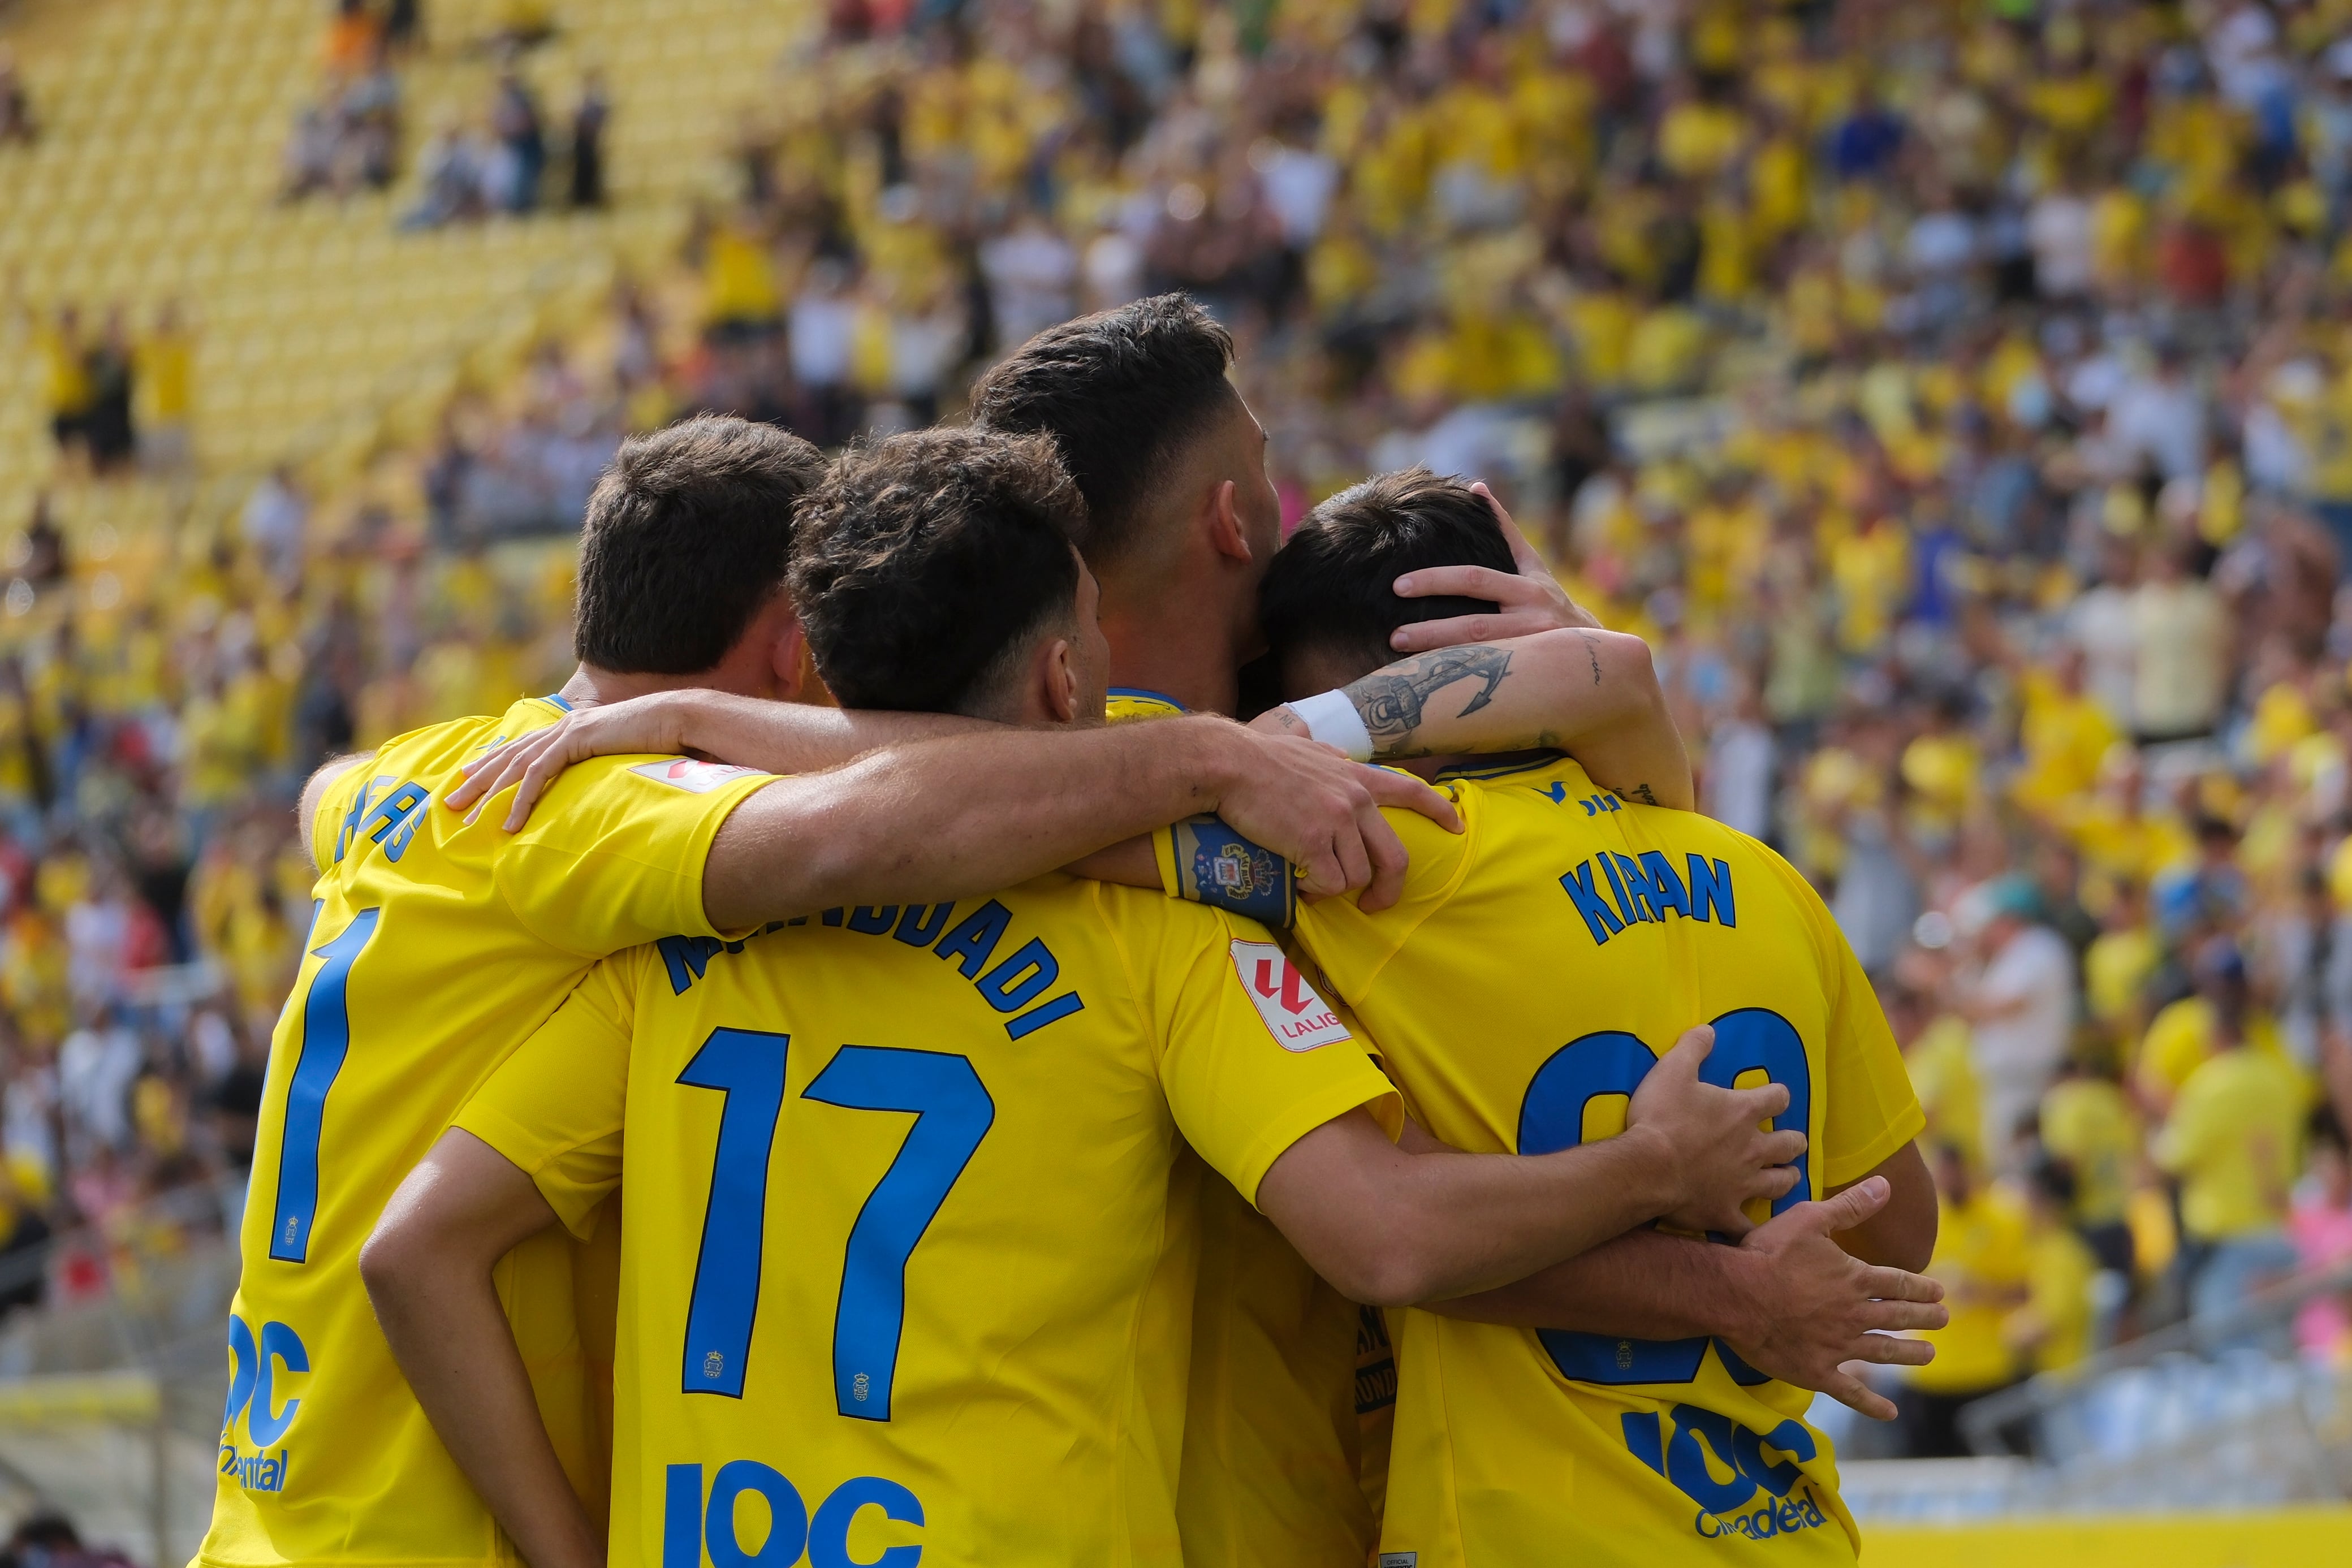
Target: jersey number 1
[(953, 1114), (326, 1041)]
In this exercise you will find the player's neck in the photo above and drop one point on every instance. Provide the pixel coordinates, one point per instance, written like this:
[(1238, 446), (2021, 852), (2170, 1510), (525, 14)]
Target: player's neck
[(591, 685), (1185, 656)]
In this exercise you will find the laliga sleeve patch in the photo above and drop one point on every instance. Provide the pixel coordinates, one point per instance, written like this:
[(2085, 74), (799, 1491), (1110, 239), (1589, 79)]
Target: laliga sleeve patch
[(1297, 1018), (694, 778)]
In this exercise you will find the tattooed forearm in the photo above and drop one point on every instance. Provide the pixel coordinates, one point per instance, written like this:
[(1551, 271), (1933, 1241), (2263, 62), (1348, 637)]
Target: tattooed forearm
[(1594, 657), (1390, 700)]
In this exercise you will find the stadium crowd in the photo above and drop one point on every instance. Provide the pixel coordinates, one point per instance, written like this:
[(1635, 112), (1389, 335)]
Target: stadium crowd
[(1957, 397)]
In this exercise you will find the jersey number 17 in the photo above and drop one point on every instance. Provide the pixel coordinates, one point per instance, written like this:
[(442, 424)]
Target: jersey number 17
[(953, 1114)]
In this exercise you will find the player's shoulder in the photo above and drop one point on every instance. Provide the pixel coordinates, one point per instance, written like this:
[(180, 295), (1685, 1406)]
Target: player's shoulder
[(432, 747), (1124, 703), (602, 795)]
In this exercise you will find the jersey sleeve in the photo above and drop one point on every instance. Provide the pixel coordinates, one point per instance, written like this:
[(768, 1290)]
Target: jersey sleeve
[(1251, 1059), (555, 1107), (1352, 946), (1871, 1109), (613, 856)]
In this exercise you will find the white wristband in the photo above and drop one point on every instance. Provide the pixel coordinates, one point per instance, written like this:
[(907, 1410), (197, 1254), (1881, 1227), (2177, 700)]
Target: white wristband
[(1333, 719)]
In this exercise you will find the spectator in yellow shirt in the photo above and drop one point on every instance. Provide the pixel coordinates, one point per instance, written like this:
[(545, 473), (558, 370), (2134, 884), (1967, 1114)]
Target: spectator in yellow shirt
[(2053, 1329), (1984, 1261), (2233, 1143), (2089, 1128), (2187, 1033), (2120, 961), (1942, 1068)]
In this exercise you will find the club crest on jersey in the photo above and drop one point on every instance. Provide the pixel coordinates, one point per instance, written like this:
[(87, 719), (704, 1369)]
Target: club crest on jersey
[(694, 778), (1296, 1018)]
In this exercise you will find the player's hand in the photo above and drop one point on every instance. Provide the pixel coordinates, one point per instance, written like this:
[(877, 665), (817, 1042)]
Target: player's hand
[(1719, 1155), (1531, 601), (1818, 1310), (654, 723), (1308, 803)]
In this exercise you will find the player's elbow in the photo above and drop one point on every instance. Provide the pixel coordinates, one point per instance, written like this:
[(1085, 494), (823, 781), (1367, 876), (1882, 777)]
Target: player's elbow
[(397, 1260), (1625, 666), (1403, 1261), (1376, 1275)]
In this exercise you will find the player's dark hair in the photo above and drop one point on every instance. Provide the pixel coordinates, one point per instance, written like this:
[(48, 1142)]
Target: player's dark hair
[(1331, 587), (927, 562), (1122, 393), (687, 535)]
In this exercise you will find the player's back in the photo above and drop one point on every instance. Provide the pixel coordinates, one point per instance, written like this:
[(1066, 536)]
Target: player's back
[(435, 947), (907, 1238), (1533, 972)]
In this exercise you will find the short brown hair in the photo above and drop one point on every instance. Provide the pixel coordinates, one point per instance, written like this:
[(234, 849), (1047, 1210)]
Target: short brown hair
[(925, 561), (1122, 393), (687, 535)]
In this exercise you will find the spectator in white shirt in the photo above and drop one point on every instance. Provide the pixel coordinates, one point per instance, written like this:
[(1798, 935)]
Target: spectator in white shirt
[(2180, 664), (2020, 1004)]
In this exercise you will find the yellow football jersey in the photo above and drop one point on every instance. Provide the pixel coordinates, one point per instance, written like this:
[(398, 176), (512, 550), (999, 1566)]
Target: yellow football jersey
[(1286, 1431), (1535, 968), (434, 949), (903, 1234), (1281, 1446)]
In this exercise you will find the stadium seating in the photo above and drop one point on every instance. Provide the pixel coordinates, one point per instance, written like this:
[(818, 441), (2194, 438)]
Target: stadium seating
[(156, 179)]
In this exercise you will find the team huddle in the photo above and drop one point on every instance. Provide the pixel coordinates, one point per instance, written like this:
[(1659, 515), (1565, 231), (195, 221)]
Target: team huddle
[(951, 1129)]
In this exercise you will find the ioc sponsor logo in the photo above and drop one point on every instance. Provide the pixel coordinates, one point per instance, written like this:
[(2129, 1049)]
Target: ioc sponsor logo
[(695, 1523), (259, 1366)]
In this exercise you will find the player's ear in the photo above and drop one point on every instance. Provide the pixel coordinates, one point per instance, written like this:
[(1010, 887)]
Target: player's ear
[(787, 660), (1224, 522), (1058, 675)]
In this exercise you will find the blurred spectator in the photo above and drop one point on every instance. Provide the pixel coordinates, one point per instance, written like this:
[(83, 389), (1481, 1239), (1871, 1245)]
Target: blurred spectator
[(15, 107), (95, 1067), (2019, 1005), (404, 24), (66, 355), (2321, 1227), (162, 364), (107, 423), (24, 1247), (452, 166), (348, 138), (2051, 1330), (46, 1539), (274, 518), (520, 163), (2180, 650), (2232, 1143), (1984, 1259), (2092, 1135), (587, 146)]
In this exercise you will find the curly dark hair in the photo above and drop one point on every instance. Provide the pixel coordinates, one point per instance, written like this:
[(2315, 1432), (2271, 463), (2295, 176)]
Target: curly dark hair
[(925, 563)]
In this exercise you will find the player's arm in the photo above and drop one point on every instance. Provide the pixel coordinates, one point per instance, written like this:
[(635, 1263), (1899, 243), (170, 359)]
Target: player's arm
[(944, 819), (1591, 693), (1789, 1299), (717, 726), (306, 810), (427, 1268), (1901, 1233), (1393, 1228)]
